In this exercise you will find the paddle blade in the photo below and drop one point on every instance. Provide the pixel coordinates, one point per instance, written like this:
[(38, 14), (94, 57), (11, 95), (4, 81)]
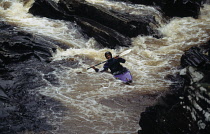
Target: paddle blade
[(125, 52)]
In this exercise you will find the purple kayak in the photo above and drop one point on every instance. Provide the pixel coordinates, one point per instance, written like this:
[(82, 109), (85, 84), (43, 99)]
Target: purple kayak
[(125, 77)]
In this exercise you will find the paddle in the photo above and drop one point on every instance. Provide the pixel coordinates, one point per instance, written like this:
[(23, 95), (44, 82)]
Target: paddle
[(122, 54)]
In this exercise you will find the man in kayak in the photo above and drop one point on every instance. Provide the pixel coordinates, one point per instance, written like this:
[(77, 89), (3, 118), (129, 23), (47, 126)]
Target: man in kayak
[(116, 68)]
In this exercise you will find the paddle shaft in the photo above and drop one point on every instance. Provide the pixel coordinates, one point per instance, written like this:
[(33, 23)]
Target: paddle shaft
[(122, 54), (97, 64)]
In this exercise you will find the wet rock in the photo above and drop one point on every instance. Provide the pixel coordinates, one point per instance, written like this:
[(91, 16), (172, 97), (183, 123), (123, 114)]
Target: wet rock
[(22, 110), (5, 111), (175, 8), (184, 109), (106, 36), (52, 79), (24, 69), (3, 96), (194, 57), (126, 24), (98, 22), (50, 9), (16, 46), (69, 62)]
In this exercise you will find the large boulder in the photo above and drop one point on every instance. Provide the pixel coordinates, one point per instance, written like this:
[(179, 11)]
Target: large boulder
[(16, 46), (126, 24), (175, 8), (50, 9), (107, 36), (109, 28)]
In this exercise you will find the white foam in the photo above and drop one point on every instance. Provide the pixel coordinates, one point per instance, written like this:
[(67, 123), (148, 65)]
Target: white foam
[(82, 91)]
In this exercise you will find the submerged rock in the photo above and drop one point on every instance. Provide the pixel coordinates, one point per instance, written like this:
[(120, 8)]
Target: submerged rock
[(185, 108)]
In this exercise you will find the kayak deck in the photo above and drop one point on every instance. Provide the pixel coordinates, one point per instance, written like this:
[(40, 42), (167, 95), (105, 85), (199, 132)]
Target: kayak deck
[(125, 77)]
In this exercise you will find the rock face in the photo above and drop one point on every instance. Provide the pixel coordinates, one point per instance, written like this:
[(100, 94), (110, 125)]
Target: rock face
[(126, 24), (106, 36), (185, 108), (172, 8), (109, 28), (22, 58), (17, 46)]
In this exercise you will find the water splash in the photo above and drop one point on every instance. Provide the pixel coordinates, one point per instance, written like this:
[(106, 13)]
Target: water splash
[(96, 101), (16, 14), (132, 9)]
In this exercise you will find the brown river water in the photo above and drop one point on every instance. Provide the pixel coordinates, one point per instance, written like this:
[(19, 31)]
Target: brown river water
[(96, 103)]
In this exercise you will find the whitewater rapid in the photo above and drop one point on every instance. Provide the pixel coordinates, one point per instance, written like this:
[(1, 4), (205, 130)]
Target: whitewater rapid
[(97, 101)]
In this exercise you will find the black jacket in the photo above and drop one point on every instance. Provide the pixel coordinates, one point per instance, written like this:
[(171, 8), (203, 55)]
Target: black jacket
[(114, 65)]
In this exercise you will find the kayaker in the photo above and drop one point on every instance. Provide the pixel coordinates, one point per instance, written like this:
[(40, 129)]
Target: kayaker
[(116, 68)]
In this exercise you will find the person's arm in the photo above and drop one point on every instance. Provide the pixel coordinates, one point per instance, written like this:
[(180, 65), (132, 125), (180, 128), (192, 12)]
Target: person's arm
[(96, 69), (105, 68), (120, 59)]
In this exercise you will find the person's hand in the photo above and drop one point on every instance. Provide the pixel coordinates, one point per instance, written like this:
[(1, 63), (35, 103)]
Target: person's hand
[(116, 57), (93, 67), (96, 69)]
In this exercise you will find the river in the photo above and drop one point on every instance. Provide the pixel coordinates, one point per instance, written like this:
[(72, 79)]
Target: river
[(96, 102)]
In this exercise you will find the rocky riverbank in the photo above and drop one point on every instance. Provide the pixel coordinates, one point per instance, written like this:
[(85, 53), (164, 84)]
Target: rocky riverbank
[(25, 65), (185, 108)]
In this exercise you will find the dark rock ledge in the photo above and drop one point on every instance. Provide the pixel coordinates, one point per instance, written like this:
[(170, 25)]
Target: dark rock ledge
[(185, 109), (109, 28), (24, 66), (174, 8)]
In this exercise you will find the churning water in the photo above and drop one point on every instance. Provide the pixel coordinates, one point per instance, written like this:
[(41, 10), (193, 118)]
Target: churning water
[(96, 102)]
